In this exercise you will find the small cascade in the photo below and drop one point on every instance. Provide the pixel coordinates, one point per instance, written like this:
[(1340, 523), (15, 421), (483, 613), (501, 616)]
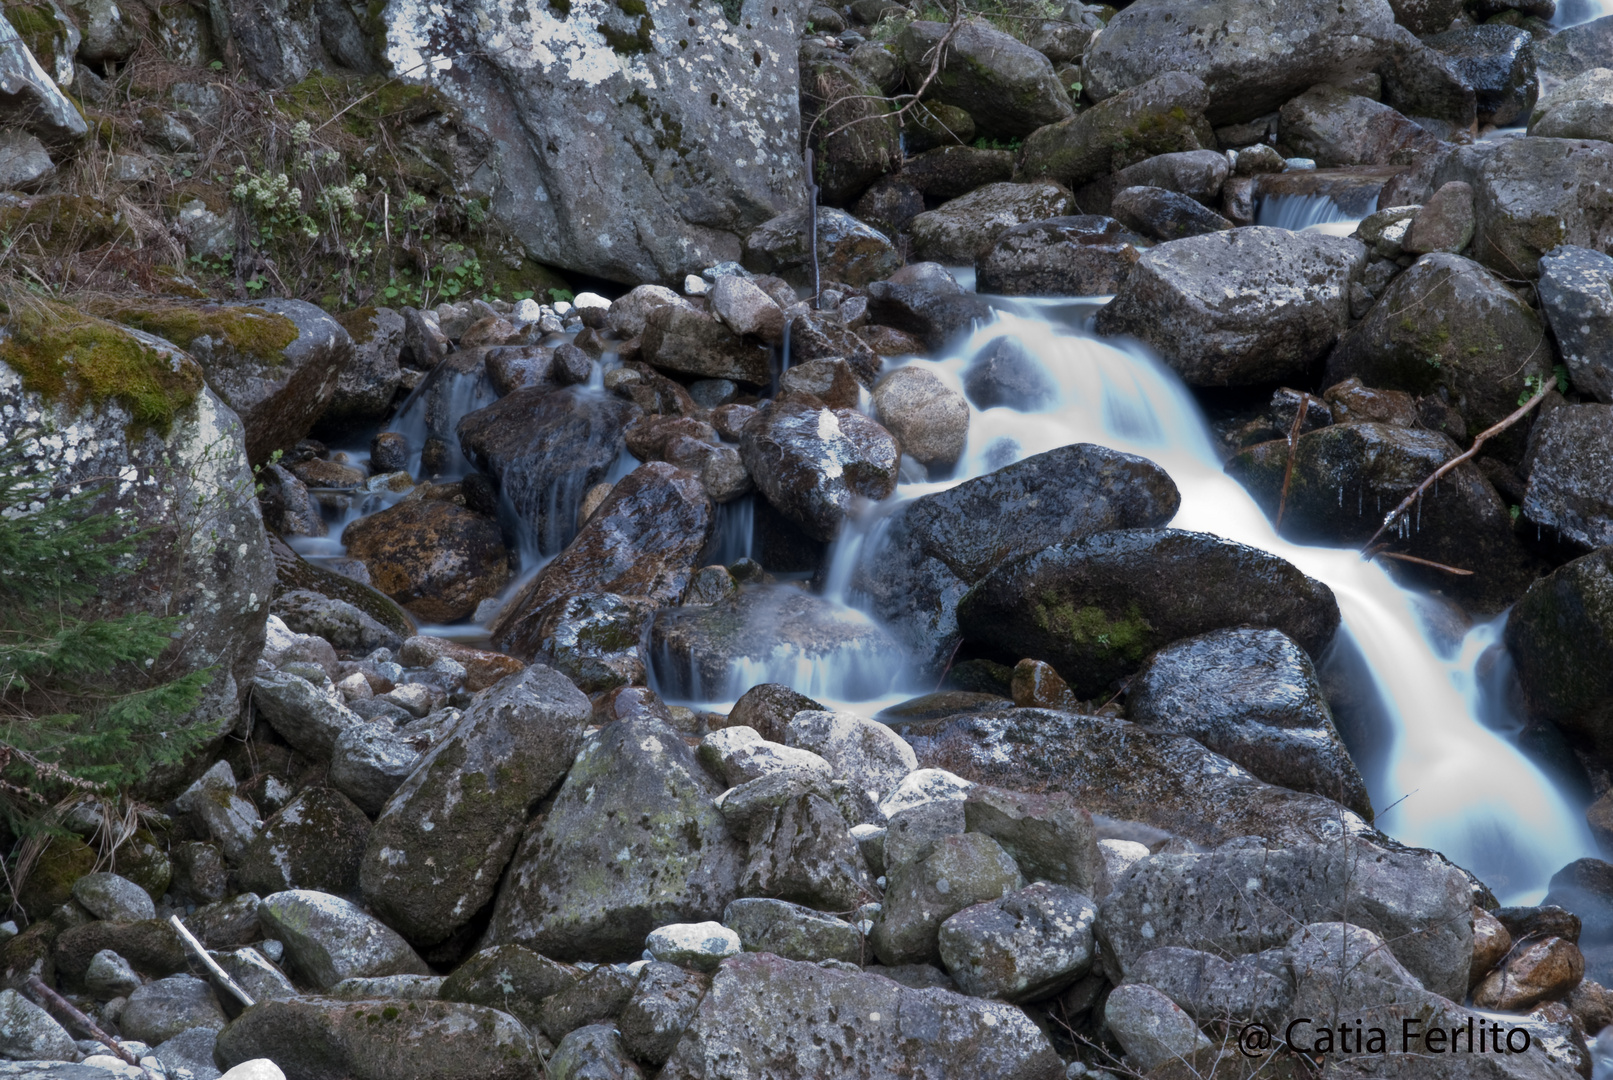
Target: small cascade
[(434, 409), (1575, 12), (734, 538), (1314, 213)]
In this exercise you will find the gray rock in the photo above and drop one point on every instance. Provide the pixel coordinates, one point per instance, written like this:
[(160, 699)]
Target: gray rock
[(595, 1052), (811, 462), (848, 250), (1569, 474), (1581, 108), (746, 309), (1532, 195), (856, 139), (329, 939), (688, 342), (1206, 303), (1257, 986), (1004, 85), (437, 850), (231, 820), (254, 973), (370, 762), (342, 624), (511, 978), (1554, 633), (962, 871), (24, 163), (316, 841), (1151, 1028), (929, 419), (768, 708), (189, 1055), (597, 996), (631, 842), (864, 752), (1164, 115), (1335, 127), (108, 896), (755, 803), (160, 1010), (775, 1017), (1084, 255), (736, 755), (1498, 61), (1253, 696), (31, 98), (369, 381), (961, 229), (226, 923), (1164, 215), (1048, 835), (28, 1032), (912, 832), (629, 312), (1576, 295), (1196, 173), (373, 1040), (1094, 608), (793, 931), (1238, 901), (397, 987), (1023, 947), (662, 1006), (1247, 69), (308, 717), (803, 852), (110, 976), (701, 946), (937, 546), (1445, 223)]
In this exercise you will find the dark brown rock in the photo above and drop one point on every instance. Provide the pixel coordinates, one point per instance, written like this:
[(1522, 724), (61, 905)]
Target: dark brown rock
[(437, 559)]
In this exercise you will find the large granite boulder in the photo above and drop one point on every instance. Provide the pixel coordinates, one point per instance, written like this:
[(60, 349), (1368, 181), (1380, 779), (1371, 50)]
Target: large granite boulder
[(1532, 195), (1006, 86), (1555, 633), (438, 559), (1162, 115), (1569, 491), (1576, 296)]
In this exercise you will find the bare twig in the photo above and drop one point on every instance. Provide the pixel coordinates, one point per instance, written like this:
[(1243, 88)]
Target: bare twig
[(212, 965), (1424, 562), (937, 57), (1547, 384), (53, 1001), (812, 227), (1293, 452)]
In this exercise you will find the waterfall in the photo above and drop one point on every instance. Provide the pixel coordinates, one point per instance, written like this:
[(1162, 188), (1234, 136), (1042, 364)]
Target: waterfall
[(1575, 12), (1315, 213)]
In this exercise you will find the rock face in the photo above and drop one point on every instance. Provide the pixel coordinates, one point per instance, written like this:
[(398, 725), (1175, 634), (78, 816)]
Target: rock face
[(632, 842), (437, 559), (436, 852), (774, 1017), (1554, 632), (1095, 607), (810, 461), (642, 543), (1085, 255), (1251, 54), (1413, 899), (1252, 305), (327, 1039), (1252, 696), (673, 163), (959, 230), (187, 450), (1569, 490), (1576, 295), (937, 546), (1532, 195), (1164, 115), (1004, 85)]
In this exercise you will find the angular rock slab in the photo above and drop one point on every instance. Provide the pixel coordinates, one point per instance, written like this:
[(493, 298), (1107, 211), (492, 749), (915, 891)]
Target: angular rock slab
[(769, 1017), (811, 461), (437, 850), (1025, 946), (1533, 195), (329, 939), (1570, 490)]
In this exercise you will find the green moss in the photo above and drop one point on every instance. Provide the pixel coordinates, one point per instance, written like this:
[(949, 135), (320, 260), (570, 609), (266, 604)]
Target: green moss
[(627, 43), (50, 883), (359, 323), (63, 354), (60, 222), (245, 331), (1092, 630), (39, 29)]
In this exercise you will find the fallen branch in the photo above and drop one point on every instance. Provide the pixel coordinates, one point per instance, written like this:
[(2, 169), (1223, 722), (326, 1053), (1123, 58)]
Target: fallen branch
[(1424, 562), (812, 227), (1293, 452), (1547, 383), (52, 1001), (212, 965)]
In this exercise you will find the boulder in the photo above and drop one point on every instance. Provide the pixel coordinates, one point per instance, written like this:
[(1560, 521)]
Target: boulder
[(1498, 61), (959, 230), (511, 978), (313, 842), (309, 717), (929, 419), (960, 872), (1536, 971), (110, 976), (1569, 482), (370, 761), (830, 380), (1345, 477), (1048, 836), (936, 547), (369, 380), (803, 853), (435, 855), (768, 708), (775, 1017), (396, 987), (1164, 215), (30, 96), (218, 809), (1250, 56), (191, 1051), (688, 342), (160, 1010), (1095, 607), (1126, 772), (1256, 986), (438, 559), (938, 317), (810, 461), (1581, 108), (344, 625), (593, 1052), (1576, 296), (948, 172), (741, 304), (1085, 255), (848, 250), (1554, 634), (1163, 115), (661, 1008), (1237, 901), (701, 946), (328, 939), (1196, 173), (1335, 127), (1448, 323), (643, 542), (1251, 305), (632, 841), (793, 931), (315, 1038), (596, 997), (109, 896), (594, 639), (865, 753), (1445, 223), (27, 1032), (856, 139), (1533, 195), (1151, 1028), (1006, 86), (715, 652), (1025, 946), (1005, 372), (823, 335), (546, 449)]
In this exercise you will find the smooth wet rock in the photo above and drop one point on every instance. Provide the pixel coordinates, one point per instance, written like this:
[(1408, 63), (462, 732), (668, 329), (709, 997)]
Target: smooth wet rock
[(1025, 946), (810, 462), (1094, 608), (1253, 696), (1085, 255), (1163, 115), (959, 230), (1585, 888), (160, 1010), (663, 1005), (929, 418), (437, 559), (367, 383), (793, 931), (1005, 85), (314, 842), (1576, 296), (329, 939), (1248, 305), (937, 546)]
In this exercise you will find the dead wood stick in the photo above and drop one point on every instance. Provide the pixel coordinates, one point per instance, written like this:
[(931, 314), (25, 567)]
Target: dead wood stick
[(56, 1002), (1424, 562), (212, 965), (1293, 452)]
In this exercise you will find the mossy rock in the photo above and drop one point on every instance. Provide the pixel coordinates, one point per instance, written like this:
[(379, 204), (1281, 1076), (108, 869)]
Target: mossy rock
[(61, 224), (151, 946), (46, 31), (49, 884), (31, 953), (143, 861), (242, 330), (293, 572)]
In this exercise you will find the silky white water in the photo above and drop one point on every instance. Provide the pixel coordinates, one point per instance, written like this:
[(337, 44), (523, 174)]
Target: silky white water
[(1575, 12)]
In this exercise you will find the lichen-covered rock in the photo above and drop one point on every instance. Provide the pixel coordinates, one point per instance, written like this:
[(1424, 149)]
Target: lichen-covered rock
[(865, 753), (1568, 489), (962, 871), (109, 896), (804, 853), (1025, 946), (1498, 61), (661, 1008), (1048, 836), (1576, 296), (345, 626), (1151, 1028), (1095, 608), (632, 841), (309, 717), (1532, 195), (778, 1018), (1085, 255), (328, 939), (438, 559), (160, 1010), (937, 546), (31, 97), (511, 978), (29, 1033), (371, 761), (810, 461), (314, 842), (315, 1038), (437, 850), (1581, 108), (793, 931), (593, 1052), (1335, 127), (848, 250), (1164, 215), (701, 946), (219, 811), (1005, 85), (1256, 986), (1251, 305), (1163, 115), (151, 947), (959, 230)]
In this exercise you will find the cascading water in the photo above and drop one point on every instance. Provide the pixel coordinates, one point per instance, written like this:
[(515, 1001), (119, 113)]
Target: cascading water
[(1302, 212), (1575, 12)]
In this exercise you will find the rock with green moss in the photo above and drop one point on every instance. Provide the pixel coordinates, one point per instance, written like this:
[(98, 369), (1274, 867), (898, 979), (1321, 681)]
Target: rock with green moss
[(855, 136), (594, 638), (367, 383), (151, 947), (49, 883), (382, 1040), (794, 931), (437, 850), (50, 34), (1164, 115), (293, 573), (1555, 633), (95, 401), (28, 95), (1448, 324), (1008, 87), (633, 841), (1095, 608), (329, 939), (316, 841), (510, 978)]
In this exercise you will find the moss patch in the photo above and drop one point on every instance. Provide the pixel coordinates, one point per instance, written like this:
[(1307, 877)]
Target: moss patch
[(245, 331), (359, 324), (62, 354), (39, 29)]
